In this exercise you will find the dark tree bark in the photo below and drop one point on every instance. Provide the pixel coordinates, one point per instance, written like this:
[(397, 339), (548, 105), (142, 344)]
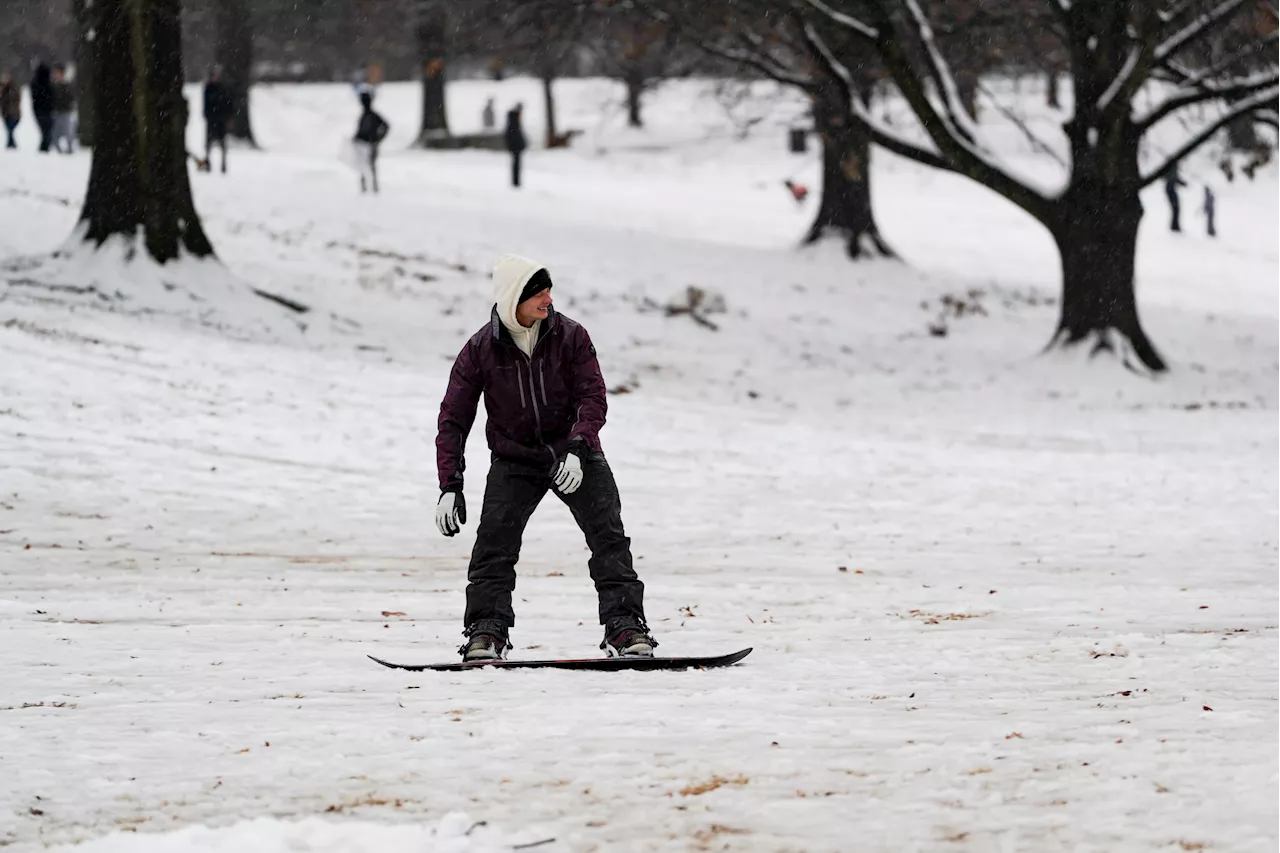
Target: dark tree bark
[(433, 45), (1051, 98), (967, 80), (85, 19), (1242, 134), (1099, 306), (845, 208), (234, 52), (549, 100), (138, 179)]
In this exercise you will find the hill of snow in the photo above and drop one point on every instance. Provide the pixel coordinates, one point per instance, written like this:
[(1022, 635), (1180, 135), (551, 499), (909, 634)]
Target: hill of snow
[(998, 601)]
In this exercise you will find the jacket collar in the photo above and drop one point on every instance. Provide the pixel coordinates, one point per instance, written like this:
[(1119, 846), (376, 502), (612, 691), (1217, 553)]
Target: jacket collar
[(501, 334)]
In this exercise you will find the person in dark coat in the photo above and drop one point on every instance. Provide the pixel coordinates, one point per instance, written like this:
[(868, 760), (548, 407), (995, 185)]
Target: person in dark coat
[(1210, 207), (10, 106), (516, 142), (219, 110), (42, 103), (370, 132), (64, 112), (545, 402), (1172, 180)]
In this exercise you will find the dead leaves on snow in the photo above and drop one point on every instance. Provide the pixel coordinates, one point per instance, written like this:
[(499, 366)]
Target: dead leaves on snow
[(938, 618), (370, 800), (710, 785)]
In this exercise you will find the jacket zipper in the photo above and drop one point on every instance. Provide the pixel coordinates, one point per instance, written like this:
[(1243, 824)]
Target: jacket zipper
[(533, 394), (520, 385), (543, 383)]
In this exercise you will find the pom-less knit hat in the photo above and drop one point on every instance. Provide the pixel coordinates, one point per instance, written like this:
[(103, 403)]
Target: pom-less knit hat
[(537, 283)]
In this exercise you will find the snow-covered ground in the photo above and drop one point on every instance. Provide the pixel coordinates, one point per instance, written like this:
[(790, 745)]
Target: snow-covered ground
[(998, 601)]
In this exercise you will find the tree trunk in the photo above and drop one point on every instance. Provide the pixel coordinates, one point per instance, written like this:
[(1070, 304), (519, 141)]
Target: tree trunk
[(1242, 134), (234, 52), (635, 88), (138, 179), (1051, 98), (845, 208), (549, 100), (86, 27), (1097, 238), (432, 43), (967, 82)]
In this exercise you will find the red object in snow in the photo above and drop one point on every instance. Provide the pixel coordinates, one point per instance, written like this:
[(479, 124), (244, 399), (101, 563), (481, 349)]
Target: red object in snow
[(798, 191)]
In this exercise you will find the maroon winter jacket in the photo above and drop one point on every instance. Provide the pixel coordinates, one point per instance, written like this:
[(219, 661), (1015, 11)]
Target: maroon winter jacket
[(536, 405)]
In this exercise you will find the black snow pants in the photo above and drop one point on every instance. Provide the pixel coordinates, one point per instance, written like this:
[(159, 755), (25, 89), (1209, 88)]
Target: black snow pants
[(511, 494)]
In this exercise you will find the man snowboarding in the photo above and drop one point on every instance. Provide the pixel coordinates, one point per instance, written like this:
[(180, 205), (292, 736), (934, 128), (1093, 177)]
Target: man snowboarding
[(370, 132), (219, 111), (516, 142), (545, 401)]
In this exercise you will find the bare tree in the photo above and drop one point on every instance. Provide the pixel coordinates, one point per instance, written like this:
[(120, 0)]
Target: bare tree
[(752, 35), (433, 46), (138, 178), (1114, 48), (543, 36), (636, 49)]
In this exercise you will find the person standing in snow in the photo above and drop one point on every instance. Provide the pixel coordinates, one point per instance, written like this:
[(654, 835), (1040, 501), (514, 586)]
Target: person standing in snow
[(1210, 205), (1172, 180), (370, 132), (42, 103), (10, 106), (219, 110), (486, 115), (545, 400), (516, 142), (64, 109)]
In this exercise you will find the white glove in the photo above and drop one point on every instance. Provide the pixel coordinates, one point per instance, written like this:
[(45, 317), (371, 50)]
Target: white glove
[(451, 512), (569, 475)]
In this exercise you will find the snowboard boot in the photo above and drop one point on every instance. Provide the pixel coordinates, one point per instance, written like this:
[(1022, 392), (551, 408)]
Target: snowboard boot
[(486, 640), (628, 637)]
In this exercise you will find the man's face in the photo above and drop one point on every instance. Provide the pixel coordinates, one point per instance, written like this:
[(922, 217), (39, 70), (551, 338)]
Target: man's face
[(534, 308)]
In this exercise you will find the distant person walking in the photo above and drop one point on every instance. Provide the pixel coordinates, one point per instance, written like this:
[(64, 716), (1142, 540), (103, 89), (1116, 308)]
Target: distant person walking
[(42, 103), (219, 111), (64, 112), (516, 142), (10, 106), (1210, 205), (1172, 180), (370, 132), (487, 117)]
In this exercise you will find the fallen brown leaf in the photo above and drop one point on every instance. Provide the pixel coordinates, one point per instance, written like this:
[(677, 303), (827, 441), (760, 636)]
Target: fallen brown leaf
[(711, 785)]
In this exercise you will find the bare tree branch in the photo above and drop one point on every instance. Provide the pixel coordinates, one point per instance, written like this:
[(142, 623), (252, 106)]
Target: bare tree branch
[(847, 21), (944, 80), (880, 135), (1209, 91), (1248, 105), (751, 59), (1036, 142), (1198, 28)]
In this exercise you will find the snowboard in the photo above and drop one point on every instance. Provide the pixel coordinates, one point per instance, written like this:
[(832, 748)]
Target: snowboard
[(593, 664)]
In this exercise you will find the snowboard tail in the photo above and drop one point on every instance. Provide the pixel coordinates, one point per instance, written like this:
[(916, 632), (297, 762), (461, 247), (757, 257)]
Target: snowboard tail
[(594, 664)]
